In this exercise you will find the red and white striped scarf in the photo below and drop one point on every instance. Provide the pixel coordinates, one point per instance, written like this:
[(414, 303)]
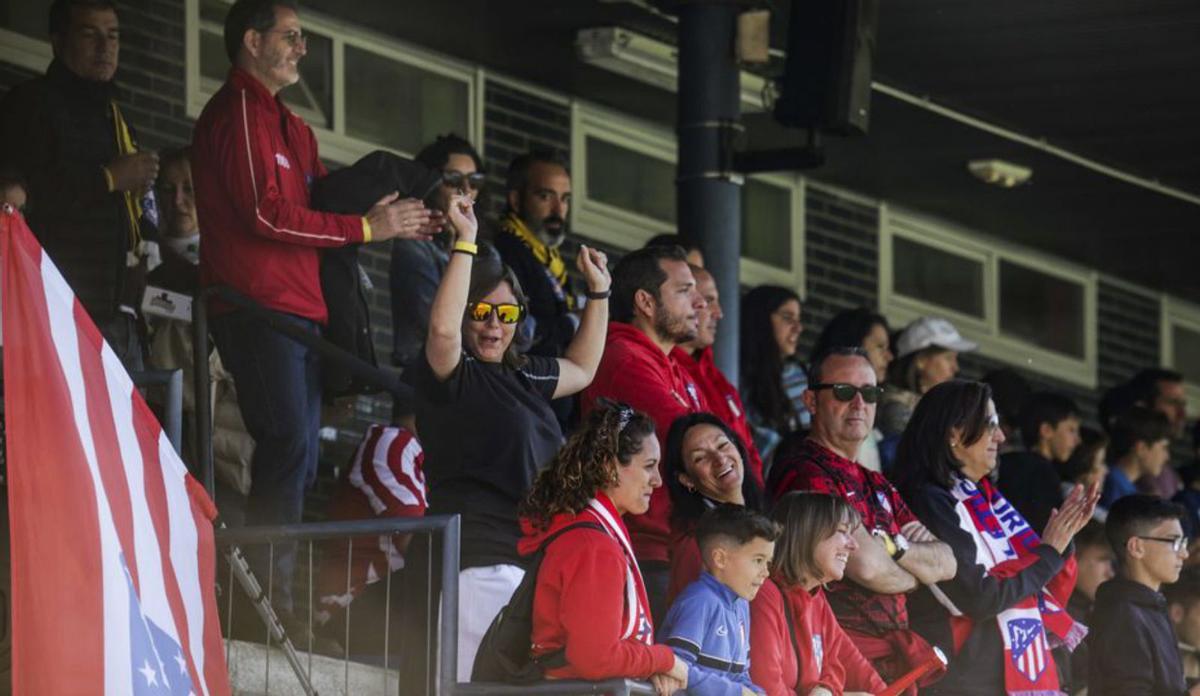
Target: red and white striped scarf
[(637, 621)]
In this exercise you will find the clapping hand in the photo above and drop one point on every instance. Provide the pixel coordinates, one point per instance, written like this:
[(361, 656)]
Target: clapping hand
[(593, 264), (1066, 521), (393, 218)]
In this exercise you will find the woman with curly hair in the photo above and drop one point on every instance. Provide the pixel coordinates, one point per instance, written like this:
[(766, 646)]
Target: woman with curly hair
[(590, 604)]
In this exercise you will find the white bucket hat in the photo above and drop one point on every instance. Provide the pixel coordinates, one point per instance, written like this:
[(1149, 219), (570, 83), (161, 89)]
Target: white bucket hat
[(931, 331)]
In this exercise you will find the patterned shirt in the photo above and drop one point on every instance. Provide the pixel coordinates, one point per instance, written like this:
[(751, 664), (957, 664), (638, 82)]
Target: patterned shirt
[(812, 467)]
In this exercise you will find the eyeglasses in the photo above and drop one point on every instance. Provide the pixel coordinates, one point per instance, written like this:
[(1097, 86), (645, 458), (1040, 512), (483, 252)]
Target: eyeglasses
[(456, 179), (845, 392), (1178, 543), (293, 37), (506, 313), (992, 423)]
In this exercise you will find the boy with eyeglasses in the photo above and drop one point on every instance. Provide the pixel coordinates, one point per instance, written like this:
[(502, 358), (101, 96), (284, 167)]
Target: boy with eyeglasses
[(1133, 648)]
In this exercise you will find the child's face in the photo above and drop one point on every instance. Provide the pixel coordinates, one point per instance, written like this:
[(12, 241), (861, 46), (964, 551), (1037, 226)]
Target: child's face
[(1153, 457), (1161, 562), (744, 568), (1099, 470), (1095, 567), (1063, 438)]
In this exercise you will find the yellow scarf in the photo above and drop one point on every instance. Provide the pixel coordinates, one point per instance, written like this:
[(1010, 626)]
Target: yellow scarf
[(133, 205), (545, 255)]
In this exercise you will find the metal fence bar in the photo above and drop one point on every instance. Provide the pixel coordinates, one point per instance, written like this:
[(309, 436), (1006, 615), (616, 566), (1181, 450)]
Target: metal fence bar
[(173, 411), (448, 637)]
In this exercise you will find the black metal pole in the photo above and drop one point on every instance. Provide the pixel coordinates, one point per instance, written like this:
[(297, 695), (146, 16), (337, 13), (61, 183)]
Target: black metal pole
[(709, 191), (202, 384)]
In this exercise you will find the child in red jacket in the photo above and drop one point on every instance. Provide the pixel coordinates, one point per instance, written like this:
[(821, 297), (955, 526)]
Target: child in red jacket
[(796, 644)]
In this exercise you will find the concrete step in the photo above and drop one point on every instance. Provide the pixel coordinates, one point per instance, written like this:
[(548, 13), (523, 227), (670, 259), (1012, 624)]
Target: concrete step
[(255, 671)]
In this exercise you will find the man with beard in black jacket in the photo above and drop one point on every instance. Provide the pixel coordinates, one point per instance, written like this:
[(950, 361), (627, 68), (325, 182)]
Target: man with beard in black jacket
[(87, 179), (1133, 651)]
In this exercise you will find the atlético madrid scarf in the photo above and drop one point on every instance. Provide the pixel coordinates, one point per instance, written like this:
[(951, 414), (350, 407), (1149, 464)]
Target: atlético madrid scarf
[(1030, 629)]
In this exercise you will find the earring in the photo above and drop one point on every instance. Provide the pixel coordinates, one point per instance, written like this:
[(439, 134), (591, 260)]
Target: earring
[(954, 444)]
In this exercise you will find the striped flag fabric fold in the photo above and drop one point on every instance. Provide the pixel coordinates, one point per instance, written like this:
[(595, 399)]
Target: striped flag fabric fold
[(113, 560)]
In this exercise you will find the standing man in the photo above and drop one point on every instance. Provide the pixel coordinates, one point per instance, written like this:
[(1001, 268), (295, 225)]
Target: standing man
[(896, 552), (654, 310), (85, 173), (696, 358), (254, 162), (1162, 390)]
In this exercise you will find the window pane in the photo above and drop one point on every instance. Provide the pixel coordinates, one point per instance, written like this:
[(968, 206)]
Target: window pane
[(1186, 345), (28, 17), (630, 180), (213, 63), (932, 275), (1042, 309), (400, 106), (767, 224)]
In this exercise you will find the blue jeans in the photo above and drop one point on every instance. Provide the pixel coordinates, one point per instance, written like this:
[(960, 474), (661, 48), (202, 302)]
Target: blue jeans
[(278, 385)]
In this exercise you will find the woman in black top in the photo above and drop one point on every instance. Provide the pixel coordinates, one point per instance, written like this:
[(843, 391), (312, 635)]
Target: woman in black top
[(1003, 612), (484, 417)]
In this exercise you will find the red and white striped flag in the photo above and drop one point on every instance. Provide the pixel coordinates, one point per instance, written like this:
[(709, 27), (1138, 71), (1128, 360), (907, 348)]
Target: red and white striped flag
[(112, 540)]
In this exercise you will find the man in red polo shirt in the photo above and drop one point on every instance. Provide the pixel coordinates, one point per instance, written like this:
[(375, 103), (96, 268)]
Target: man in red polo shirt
[(253, 164), (895, 551), (696, 357)]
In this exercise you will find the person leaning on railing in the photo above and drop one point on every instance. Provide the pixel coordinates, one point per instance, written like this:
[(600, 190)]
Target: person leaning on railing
[(483, 413), (590, 608)]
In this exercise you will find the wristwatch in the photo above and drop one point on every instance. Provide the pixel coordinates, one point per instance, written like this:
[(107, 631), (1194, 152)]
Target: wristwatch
[(901, 546), (888, 544)]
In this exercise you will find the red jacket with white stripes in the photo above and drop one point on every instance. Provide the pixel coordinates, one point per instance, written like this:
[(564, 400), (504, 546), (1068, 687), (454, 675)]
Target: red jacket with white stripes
[(253, 163)]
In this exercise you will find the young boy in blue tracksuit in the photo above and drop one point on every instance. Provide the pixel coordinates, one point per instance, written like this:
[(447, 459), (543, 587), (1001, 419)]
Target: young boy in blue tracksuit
[(708, 626)]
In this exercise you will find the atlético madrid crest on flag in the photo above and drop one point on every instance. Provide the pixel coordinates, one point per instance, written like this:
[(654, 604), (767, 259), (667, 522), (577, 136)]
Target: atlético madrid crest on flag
[(113, 561)]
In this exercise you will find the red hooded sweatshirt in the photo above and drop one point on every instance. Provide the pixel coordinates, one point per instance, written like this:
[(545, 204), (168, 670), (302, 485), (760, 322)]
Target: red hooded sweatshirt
[(253, 163), (829, 657), (590, 599), (634, 370), (722, 400)]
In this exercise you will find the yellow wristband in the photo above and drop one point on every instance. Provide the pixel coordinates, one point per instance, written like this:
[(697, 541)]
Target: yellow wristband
[(366, 231), (467, 247), (108, 180)]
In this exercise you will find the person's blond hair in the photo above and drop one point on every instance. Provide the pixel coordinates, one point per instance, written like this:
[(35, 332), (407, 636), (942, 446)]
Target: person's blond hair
[(807, 518)]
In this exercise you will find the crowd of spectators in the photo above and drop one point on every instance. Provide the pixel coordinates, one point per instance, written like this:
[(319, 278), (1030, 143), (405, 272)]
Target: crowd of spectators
[(861, 519)]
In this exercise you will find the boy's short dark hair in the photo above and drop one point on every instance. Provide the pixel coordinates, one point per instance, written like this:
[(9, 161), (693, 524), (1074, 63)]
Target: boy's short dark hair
[(640, 269), (258, 15), (1138, 424), (673, 240), (1044, 407), (1092, 535), (734, 524), (60, 12), (1135, 515)]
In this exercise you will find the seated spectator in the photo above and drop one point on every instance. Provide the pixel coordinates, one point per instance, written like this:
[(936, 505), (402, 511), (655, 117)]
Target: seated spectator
[(1087, 466), (1140, 447), (869, 331), (997, 617), (896, 552), (590, 605), (708, 625), (797, 645), (1010, 392), (696, 358), (655, 308), (705, 466), (483, 412), (1162, 390), (1183, 606), (179, 229), (772, 382), (13, 190), (1029, 478), (695, 257), (926, 355), (1094, 559), (1132, 646)]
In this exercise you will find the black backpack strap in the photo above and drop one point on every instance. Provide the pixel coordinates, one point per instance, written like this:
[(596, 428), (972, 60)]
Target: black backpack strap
[(557, 659)]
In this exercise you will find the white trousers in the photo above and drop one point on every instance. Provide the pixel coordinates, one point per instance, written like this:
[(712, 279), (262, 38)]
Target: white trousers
[(482, 593)]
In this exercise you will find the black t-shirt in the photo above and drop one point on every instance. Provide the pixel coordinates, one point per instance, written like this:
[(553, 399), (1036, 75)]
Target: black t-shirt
[(487, 430)]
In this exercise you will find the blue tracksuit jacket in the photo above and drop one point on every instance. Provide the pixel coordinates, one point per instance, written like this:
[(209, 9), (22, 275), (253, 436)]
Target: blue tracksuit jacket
[(708, 626)]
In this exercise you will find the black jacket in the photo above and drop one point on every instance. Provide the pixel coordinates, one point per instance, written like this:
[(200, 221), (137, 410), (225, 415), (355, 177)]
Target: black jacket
[(978, 668), (554, 328), (1030, 482), (1132, 648), (58, 132)]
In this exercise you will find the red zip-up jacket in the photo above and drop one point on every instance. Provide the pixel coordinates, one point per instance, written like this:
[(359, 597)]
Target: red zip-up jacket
[(634, 370), (723, 401), (253, 163), (582, 601)]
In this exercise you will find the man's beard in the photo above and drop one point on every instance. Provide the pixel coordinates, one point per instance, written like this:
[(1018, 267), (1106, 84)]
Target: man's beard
[(552, 237), (677, 329)]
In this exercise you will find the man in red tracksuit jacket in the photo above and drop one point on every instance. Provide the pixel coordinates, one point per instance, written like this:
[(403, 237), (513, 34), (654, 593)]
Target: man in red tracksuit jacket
[(696, 359), (253, 164), (654, 309)]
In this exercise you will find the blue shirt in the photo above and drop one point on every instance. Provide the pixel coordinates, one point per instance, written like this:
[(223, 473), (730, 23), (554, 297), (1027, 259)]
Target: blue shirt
[(1116, 486), (708, 627)]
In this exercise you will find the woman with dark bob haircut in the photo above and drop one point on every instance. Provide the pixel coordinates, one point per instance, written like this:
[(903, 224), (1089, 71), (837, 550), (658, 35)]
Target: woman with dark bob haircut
[(591, 617), (1001, 615), (705, 467)]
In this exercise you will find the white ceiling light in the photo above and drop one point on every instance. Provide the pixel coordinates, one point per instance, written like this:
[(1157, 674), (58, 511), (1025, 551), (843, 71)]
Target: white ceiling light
[(999, 173), (649, 60)]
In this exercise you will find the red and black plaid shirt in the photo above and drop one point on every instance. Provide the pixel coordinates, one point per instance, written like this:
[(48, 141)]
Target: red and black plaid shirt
[(811, 467)]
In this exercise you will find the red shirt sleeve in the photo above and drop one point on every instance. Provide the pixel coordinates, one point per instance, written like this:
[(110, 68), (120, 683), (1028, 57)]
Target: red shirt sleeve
[(772, 665)]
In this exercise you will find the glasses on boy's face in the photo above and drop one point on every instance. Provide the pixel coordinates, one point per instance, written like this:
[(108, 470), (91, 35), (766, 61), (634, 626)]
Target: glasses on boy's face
[(456, 179), (506, 313), (845, 392), (1178, 543)]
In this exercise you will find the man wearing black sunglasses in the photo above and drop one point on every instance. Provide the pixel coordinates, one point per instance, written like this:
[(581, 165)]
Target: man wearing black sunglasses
[(895, 552)]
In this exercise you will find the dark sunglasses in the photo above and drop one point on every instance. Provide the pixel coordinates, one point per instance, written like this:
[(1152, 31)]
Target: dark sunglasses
[(845, 392), (456, 179), (505, 312)]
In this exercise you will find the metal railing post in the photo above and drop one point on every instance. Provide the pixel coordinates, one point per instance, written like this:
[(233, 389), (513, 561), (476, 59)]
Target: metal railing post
[(448, 638), (201, 384)]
